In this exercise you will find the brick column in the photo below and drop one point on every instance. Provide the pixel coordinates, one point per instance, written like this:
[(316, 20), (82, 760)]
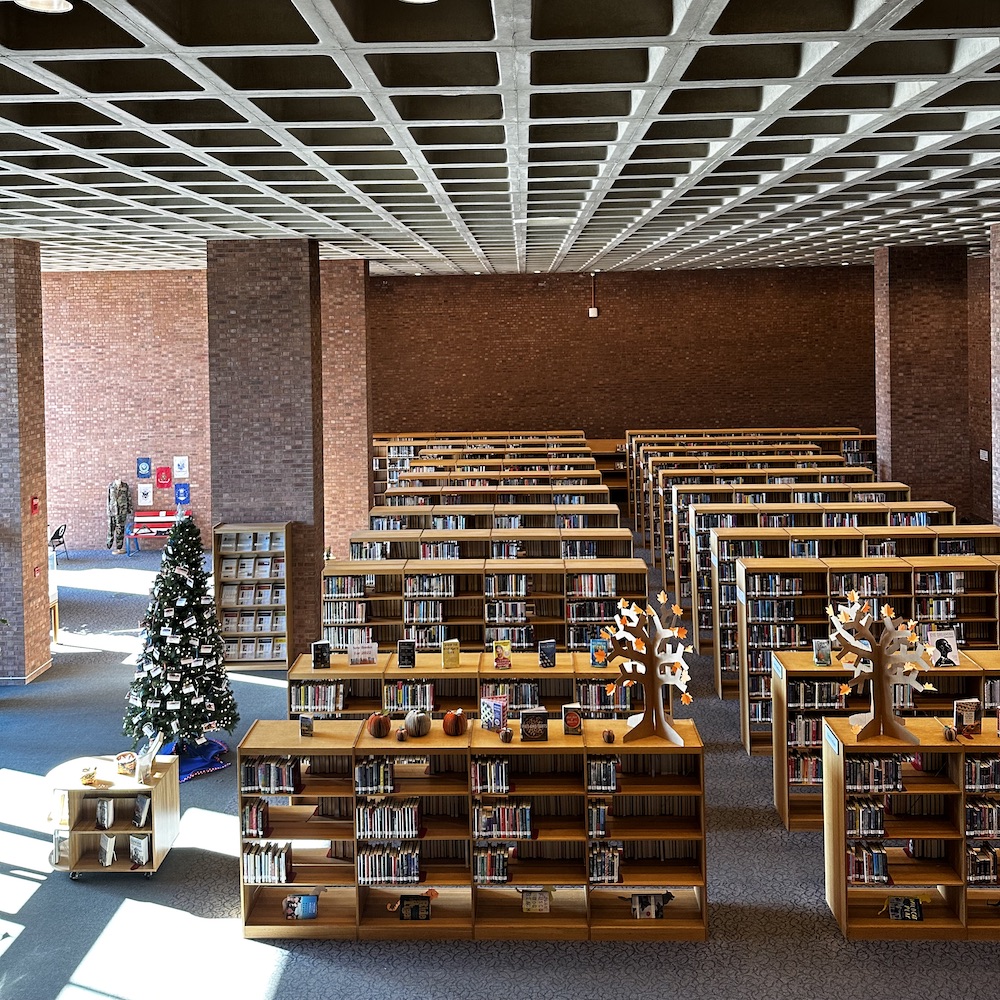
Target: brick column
[(922, 370), (994, 358), (24, 573), (265, 401), (347, 414), (980, 392)]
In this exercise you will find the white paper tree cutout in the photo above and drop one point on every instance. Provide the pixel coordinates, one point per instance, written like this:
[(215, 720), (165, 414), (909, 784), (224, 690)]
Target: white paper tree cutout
[(652, 655), (884, 651)]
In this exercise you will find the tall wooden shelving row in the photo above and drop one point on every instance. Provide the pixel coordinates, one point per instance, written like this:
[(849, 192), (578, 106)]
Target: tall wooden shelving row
[(594, 843), (727, 545), (476, 601), (781, 606), (489, 516)]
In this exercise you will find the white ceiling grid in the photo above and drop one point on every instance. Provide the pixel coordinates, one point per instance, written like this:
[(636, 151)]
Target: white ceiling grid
[(470, 136)]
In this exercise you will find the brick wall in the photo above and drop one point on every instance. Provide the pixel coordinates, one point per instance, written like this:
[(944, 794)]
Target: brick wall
[(980, 399), (126, 376), (265, 380), (24, 598), (347, 412), (995, 357), (681, 348), (922, 311)]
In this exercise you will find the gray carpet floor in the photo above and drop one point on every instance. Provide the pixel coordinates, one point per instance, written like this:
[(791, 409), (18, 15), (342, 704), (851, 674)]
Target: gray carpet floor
[(122, 937)]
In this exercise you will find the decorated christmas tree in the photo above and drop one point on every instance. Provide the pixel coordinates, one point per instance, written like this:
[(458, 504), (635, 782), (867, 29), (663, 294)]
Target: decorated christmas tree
[(180, 688)]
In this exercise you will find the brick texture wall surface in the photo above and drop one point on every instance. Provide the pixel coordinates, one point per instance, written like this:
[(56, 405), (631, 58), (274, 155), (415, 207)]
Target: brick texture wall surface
[(24, 598), (126, 376), (883, 366), (676, 349), (265, 380), (346, 402), (980, 399), (922, 310), (995, 357)]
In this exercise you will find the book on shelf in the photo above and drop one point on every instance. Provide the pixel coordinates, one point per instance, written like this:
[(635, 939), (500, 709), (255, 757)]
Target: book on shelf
[(265, 648), (227, 568), (141, 811), (822, 652), (598, 652), (262, 594), (227, 541), (969, 716), (942, 644), (138, 849), (246, 622), (493, 712), (279, 622), (230, 621), (106, 850), (277, 594), (279, 649), (904, 908), (321, 655), (451, 653), (229, 592), (649, 905), (501, 654), (263, 541), (244, 568), (278, 567), (244, 541), (534, 725), (406, 654), (245, 594), (105, 814), (546, 652), (362, 654), (231, 650), (536, 901), (572, 719), (305, 725), (248, 649), (301, 906), (264, 622), (262, 567), (415, 907)]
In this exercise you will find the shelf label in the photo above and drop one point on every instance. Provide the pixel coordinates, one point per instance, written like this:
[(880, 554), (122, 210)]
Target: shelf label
[(741, 596), (832, 740), (776, 668)]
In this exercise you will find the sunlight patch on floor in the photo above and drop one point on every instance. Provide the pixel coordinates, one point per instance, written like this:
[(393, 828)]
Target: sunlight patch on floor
[(210, 958), (209, 831), (115, 580)]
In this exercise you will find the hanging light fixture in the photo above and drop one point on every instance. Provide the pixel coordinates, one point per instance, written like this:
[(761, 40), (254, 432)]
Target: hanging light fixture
[(418, 1), (46, 6)]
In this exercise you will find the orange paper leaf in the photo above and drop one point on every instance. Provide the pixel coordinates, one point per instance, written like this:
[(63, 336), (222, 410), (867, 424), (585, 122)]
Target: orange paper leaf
[(845, 688), (677, 609), (600, 655), (609, 688), (686, 699), (640, 646), (662, 597), (681, 633)]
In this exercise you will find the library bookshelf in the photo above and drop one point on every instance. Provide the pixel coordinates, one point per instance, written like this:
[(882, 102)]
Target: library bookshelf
[(803, 693), (77, 835), (916, 803), (354, 691), (781, 605), (476, 601), (361, 822), (463, 517), (252, 597)]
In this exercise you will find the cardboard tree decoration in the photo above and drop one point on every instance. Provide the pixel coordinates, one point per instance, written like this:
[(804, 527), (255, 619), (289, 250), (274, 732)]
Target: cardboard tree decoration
[(652, 655), (885, 651)]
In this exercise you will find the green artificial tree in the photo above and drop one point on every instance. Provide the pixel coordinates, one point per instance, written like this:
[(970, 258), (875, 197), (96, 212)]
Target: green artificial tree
[(180, 687)]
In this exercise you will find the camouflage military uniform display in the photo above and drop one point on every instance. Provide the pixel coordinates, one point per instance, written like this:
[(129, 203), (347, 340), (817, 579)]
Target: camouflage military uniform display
[(119, 510)]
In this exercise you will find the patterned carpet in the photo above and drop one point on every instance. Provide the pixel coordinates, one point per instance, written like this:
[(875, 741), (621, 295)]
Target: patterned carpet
[(120, 937)]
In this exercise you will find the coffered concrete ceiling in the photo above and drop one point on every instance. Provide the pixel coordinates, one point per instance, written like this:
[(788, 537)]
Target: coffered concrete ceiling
[(479, 136)]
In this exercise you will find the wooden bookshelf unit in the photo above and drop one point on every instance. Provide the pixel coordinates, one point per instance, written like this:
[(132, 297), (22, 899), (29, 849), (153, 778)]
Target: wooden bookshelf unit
[(579, 823), (252, 596)]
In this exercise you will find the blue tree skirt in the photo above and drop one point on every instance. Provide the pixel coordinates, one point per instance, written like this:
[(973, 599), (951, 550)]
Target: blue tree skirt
[(195, 759)]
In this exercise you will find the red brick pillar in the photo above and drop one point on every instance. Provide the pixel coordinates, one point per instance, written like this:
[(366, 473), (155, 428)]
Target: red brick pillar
[(994, 366), (922, 370), (347, 413), (265, 401), (981, 368), (24, 572)]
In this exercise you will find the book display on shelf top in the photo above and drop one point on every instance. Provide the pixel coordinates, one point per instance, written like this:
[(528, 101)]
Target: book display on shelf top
[(252, 593)]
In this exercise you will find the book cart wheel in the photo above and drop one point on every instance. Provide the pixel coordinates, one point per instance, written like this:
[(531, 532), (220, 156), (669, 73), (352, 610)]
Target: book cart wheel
[(74, 876), (148, 874)]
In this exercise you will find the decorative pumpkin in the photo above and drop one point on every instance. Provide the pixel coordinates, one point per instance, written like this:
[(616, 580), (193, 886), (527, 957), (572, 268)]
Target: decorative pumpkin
[(506, 734), (401, 734), (608, 736), (417, 723), (455, 723), (378, 725)]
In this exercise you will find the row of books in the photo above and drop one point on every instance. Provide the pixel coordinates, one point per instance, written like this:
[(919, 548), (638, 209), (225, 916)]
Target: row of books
[(772, 635), (865, 817), (270, 775), (775, 611), (422, 611), (389, 865), (598, 812), (604, 863), (592, 585), (981, 864), (249, 621), (490, 775), (266, 648), (374, 776), (305, 696), (252, 568), (804, 768), (406, 695), (505, 612), (138, 849), (252, 541), (594, 696), (268, 863), (254, 818), (591, 611), (867, 864), (508, 820), (943, 582), (982, 817), (344, 612), (815, 694), (490, 864), (344, 586), (804, 731), (246, 594), (429, 585), (874, 774), (388, 819)]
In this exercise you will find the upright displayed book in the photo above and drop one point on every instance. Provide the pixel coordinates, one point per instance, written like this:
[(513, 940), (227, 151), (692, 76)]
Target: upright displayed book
[(547, 653), (106, 850), (259, 569), (451, 654), (406, 654)]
